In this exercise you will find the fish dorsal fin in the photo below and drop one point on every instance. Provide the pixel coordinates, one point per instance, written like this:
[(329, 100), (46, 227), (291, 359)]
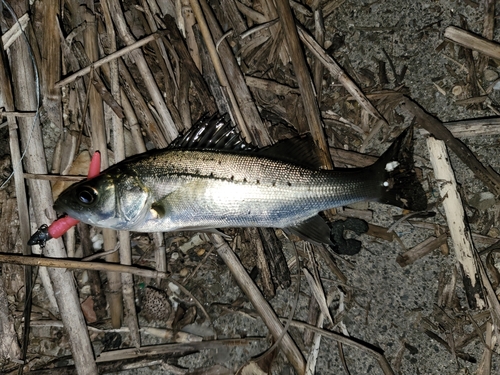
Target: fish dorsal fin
[(299, 150), (216, 132), (212, 132)]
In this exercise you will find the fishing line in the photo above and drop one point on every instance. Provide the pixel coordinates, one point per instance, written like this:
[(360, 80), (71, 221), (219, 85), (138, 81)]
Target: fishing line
[(37, 86)]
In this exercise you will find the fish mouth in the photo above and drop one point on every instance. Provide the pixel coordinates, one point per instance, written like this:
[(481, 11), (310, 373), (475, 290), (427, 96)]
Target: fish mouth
[(57, 207), (60, 209)]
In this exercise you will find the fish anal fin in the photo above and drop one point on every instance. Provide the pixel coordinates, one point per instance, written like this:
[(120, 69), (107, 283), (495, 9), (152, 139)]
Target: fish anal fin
[(314, 229)]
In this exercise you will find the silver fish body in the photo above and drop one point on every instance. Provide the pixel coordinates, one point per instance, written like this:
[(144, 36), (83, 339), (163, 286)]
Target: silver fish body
[(202, 189)]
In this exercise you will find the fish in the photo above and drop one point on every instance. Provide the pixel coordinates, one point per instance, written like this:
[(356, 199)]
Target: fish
[(210, 178)]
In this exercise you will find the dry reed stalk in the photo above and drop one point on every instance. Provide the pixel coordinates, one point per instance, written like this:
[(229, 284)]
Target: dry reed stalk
[(11, 35), (265, 272), (125, 254), (266, 312), (488, 8), (304, 80), (166, 122), (474, 127), (105, 60), (378, 355), (165, 349), (141, 108), (9, 346), (10, 350), (338, 73), (472, 41), (486, 174), (219, 69), (82, 265), (23, 79), (254, 129), (421, 250), (50, 64), (189, 21), (99, 143), (455, 216), (318, 68)]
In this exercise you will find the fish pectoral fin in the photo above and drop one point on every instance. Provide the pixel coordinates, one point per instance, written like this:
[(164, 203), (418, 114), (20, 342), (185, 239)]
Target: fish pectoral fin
[(157, 210), (314, 229)]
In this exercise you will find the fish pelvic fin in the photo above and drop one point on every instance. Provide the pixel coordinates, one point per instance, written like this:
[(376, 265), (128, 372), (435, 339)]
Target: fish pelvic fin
[(395, 169)]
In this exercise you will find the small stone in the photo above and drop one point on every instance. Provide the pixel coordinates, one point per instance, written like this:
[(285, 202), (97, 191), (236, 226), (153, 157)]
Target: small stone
[(494, 232), (200, 252), (490, 75), (194, 241), (184, 272), (482, 201), (457, 90)]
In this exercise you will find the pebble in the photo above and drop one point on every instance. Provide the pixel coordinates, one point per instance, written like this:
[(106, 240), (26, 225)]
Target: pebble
[(483, 200), (490, 75), (457, 90)]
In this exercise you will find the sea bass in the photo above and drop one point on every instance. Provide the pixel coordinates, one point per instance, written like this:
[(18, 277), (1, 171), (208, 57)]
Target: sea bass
[(210, 178)]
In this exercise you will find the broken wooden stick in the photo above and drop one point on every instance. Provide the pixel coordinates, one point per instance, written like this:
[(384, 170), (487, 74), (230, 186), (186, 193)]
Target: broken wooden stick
[(485, 173), (105, 60), (421, 250), (473, 41), (80, 265), (260, 304), (455, 216), (338, 73)]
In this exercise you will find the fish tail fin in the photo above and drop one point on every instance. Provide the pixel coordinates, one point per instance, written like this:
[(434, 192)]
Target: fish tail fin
[(395, 169)]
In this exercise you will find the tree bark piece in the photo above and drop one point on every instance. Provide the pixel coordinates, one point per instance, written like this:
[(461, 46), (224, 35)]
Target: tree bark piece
[(455, 216)]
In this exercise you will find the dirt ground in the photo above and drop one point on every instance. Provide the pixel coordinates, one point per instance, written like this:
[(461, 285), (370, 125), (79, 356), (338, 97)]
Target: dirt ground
[(397, 309)]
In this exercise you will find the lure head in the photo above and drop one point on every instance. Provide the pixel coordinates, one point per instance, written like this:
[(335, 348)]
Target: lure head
[(113, 200)]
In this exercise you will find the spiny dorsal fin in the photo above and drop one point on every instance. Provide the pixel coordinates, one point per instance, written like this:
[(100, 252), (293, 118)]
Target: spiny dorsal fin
[(214, 132)]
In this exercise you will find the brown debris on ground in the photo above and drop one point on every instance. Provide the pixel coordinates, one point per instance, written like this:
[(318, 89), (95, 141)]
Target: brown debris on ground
[(126, 77)]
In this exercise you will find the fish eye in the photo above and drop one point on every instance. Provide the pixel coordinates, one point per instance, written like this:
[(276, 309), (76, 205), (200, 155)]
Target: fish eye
[(87, 195)]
